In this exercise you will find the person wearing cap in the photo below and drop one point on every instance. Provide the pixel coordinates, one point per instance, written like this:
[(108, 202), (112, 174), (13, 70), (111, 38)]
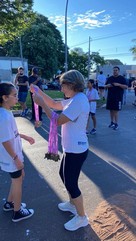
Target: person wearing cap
[(21, 81), (34, 79), (73, 120)]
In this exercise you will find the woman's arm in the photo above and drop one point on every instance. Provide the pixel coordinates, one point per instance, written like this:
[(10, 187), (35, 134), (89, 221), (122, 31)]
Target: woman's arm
[(47, 99)]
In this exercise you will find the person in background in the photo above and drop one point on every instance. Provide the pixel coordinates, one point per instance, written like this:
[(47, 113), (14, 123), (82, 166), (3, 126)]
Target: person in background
[(73, 120), (101, 79), (11, 156), (21, 81), (92, 95), (133, 86), (34, 79), (115, 85)]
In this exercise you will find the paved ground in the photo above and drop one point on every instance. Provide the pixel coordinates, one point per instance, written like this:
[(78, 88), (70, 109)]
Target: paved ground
[(110, 169)]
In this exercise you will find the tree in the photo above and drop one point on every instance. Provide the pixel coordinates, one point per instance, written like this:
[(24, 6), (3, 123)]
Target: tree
[(133, 49), (79, 60), (15, 17), (113, 62), (42, 45)]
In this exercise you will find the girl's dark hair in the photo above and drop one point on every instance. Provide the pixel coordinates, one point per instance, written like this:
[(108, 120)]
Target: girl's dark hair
[(5, 89)]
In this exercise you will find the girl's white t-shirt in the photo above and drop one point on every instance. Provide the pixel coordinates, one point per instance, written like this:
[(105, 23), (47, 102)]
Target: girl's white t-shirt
[(9, 131), (92, 95), (74, 139)]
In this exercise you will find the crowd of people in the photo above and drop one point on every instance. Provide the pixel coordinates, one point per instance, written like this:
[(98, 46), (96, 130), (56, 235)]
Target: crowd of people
[(77, 108)]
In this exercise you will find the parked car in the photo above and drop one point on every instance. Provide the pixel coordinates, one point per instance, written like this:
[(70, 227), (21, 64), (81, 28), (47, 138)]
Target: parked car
[(44, 87), (53, 85)]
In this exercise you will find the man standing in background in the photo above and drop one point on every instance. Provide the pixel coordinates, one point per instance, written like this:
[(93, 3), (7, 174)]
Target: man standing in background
[(115, 85), (21, 81)]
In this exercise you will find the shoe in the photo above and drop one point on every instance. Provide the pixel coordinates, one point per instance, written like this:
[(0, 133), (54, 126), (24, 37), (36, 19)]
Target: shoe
[(9, 206), (67, 206), (112, 124), (26, 111), (93, 131), (76, 223), (115, 127), (22, 214), (87, 133)]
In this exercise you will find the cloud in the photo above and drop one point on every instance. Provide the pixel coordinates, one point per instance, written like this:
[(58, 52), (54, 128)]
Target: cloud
[(88, 20)]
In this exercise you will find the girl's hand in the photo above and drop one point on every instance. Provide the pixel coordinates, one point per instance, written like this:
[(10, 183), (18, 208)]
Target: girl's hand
[(19, 164), (30, 140), (34, 88)]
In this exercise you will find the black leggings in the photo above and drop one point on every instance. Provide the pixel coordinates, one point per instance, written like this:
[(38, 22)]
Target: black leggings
[(70, 170)]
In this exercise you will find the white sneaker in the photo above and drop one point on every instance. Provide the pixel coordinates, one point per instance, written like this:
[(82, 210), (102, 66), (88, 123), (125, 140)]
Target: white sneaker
[(67, 206), (76, 222)]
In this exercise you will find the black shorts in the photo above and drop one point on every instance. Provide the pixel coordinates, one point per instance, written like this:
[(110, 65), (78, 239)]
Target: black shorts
[(91, 113), (101, 87), (114, 105), (16, 174)]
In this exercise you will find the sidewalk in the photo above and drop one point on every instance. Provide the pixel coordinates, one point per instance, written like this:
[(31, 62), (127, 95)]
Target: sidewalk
[(110, 170)]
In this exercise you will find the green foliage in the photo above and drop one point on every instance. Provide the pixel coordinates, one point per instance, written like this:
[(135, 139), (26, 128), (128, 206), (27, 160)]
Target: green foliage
[(79, 60), (114, 62), (15, 16), (133, 49), (42, 45)]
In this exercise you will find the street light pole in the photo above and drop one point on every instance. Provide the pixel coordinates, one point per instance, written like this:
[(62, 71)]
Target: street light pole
[(66, 54), (89, 59)]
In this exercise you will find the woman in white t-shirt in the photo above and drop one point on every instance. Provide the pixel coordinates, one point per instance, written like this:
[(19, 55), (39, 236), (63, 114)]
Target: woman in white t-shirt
[(73, 120)]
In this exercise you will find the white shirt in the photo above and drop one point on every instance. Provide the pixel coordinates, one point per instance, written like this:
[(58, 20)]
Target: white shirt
[(73, 133), (92, 95), (9, 131), (101, 78)]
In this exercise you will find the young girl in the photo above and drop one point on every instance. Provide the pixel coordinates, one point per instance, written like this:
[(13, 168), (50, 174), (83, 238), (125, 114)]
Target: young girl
[(11, 157), (92, 95)]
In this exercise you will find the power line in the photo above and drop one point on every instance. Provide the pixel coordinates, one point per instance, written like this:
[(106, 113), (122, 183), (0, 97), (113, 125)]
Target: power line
[(100, 38)]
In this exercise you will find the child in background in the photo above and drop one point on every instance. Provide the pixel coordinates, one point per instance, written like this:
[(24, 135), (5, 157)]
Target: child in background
[(11, 156), (92, 95)]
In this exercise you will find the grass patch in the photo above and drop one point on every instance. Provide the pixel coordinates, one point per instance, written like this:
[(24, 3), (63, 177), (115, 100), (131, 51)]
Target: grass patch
[(55, 94)]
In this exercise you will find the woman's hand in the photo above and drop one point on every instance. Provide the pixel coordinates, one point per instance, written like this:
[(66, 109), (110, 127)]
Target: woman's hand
[(34, 88), (38, 99)]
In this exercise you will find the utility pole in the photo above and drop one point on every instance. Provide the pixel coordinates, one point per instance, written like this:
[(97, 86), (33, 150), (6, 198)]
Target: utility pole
[(66, 54), (21, 52), (89, 59)]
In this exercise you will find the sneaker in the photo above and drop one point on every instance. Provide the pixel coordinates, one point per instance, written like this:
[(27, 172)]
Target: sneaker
[(9, 206), (112, 124), (93, 131), (67, 206), (76, 223), (23, 213), (115, 127)]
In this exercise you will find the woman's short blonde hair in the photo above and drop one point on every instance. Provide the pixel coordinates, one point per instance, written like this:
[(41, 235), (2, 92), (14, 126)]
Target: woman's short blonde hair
[(73, 78)]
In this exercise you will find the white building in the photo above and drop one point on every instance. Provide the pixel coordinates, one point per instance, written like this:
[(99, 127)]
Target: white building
[(9, 66)]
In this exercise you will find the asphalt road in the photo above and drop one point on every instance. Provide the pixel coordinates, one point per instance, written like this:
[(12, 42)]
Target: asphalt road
[(110, 169)]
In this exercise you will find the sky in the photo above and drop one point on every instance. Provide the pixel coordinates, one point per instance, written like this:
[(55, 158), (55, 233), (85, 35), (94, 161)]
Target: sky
[(109, 24)]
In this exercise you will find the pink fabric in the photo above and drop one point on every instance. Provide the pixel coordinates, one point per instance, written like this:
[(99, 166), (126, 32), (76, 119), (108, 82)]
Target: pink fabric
[(36, 112), (53, 135)]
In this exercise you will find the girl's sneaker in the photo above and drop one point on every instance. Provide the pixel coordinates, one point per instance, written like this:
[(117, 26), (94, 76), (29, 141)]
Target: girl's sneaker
[(22, 214), (9, 206)]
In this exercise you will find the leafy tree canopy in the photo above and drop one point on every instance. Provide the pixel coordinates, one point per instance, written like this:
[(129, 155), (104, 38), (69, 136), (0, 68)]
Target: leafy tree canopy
[(15, 16), (113, 62), (42, 45), (133, 49)]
